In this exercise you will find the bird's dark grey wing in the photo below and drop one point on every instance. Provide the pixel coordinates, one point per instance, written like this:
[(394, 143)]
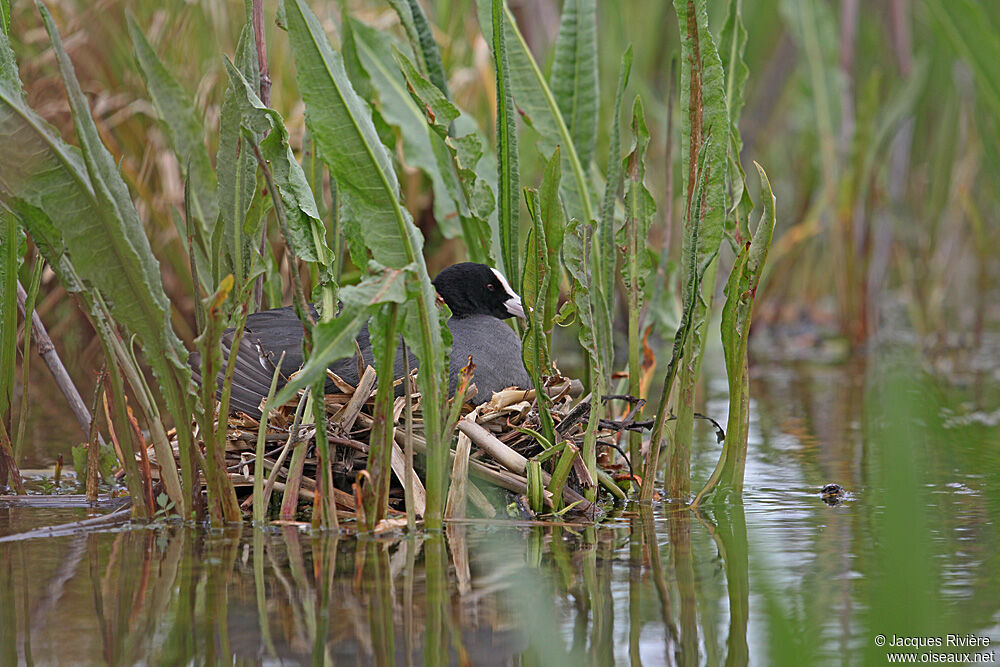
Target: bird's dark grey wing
[(495, 350), (266, 336)]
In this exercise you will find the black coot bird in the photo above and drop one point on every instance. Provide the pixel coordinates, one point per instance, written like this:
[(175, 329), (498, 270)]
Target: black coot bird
[(479, 297)]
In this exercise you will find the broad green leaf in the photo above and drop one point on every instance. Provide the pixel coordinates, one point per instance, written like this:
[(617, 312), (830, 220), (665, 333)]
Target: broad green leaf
[(183, 128), (554, 223), (356, 71), (637, 261), (237, 169), (508, 178), (341, 125), (732, 44), (9, 77), (741, 290), (638, 265), (534, 288), (398, 108), (705, 142), (706, 123), (539, 108), (577, 252), (574, 79)]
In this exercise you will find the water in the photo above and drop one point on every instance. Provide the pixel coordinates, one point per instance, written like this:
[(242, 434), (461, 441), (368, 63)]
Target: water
[(913, 552)]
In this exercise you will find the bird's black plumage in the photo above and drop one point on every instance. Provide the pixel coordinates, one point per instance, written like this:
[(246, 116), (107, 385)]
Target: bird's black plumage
[(478, 296)]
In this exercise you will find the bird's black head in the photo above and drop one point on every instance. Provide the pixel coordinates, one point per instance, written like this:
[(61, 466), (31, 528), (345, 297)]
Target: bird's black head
[(476, 289)]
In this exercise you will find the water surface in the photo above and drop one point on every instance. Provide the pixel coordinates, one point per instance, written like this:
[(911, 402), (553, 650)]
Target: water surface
[(783, 578)]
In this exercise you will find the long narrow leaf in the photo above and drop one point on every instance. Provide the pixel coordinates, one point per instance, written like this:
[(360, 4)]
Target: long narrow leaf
[(183, 127), (236, 175), (508, 179), (574, 79), (538, 107)]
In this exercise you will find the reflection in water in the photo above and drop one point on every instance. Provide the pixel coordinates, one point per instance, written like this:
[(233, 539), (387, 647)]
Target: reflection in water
[(481, 594), (781, 579)]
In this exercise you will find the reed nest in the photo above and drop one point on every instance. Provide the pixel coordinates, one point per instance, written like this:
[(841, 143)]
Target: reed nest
[(490, 447)]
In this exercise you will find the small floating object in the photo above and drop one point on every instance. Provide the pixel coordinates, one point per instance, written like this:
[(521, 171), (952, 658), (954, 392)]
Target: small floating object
[(832, 494)]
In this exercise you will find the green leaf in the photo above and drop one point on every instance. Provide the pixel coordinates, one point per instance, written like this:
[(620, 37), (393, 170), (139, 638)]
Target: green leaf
[(9, 78), (183, 128), (577, 251), (534, 293), (462, 155), (5, 16), (741, 290), (574, 79), (11, 239), (418, 31), (99, 225), (539, 108), (398, 108), (732, 44), (638, 264), (341, 125), (554, 223), (508, 179), (307, 233), (605, 255), (237, 171), (704, 124), (334, 339)]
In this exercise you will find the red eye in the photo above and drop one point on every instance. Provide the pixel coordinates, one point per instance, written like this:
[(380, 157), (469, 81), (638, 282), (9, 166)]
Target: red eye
[(490, 286)]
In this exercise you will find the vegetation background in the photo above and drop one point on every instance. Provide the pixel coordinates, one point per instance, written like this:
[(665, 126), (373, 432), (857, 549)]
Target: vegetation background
[(877, 123)]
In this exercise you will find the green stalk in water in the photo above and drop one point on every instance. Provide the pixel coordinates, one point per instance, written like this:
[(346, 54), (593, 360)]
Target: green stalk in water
[(376, 496), (259, 503)]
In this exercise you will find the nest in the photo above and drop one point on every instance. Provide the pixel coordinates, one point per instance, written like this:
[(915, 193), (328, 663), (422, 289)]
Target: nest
[(495, 440)]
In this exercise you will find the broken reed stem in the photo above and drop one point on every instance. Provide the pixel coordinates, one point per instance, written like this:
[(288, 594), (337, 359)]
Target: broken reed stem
[(455, 505), (288, 502), (147, 473), (9, 472)]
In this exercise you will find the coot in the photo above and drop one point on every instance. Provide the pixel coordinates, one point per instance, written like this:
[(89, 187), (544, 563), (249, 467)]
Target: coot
[(479, 297)]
